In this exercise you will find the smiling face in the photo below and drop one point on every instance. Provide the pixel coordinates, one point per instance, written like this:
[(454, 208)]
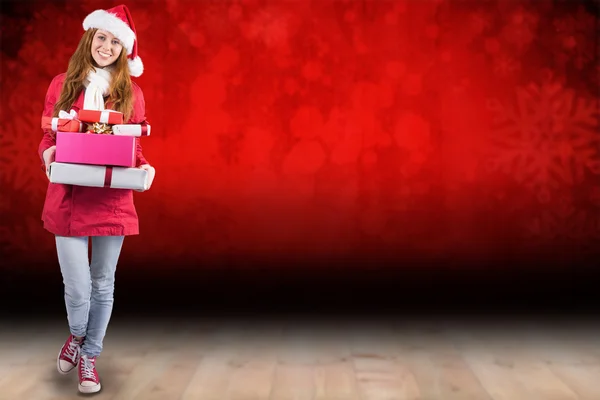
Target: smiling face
[(106, 48)]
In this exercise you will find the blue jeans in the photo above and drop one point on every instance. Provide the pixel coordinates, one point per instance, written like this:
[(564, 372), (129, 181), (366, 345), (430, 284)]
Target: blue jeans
[(89, 287)]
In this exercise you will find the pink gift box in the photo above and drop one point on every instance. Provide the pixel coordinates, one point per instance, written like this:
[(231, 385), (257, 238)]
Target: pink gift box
[(95, 149)]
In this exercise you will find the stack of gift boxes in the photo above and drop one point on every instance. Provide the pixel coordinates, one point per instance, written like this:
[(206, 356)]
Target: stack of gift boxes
[(95, 148)]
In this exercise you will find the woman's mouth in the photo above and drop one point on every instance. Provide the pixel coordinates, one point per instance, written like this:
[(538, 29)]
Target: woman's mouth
[(104, 55)]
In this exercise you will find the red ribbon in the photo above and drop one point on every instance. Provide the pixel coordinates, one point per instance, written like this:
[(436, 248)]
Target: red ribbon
[(108, 176)]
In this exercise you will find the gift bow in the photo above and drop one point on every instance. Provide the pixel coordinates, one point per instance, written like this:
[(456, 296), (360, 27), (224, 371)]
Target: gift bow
[(64, 115)]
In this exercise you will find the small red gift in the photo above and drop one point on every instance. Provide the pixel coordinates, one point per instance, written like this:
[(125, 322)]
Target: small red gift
[(110, 117), (64, 122)]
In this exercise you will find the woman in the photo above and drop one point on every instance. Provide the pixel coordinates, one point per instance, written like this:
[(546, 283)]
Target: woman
[(98, 77)]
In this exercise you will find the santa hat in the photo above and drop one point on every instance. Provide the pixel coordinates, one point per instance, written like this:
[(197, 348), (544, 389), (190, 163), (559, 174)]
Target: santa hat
[(118, 21)]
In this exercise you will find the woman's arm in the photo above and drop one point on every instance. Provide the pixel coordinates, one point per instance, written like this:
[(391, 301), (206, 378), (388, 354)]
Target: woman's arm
[(139, 157), (138, 117), (49, 138)]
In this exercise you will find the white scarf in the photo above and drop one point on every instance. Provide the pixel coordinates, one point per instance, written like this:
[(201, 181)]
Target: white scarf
[(97, 85)]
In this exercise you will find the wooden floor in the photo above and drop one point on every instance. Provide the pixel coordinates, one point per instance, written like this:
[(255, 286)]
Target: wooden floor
[(338, 360)]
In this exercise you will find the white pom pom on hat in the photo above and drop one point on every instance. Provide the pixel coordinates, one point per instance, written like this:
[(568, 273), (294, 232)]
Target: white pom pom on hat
[(118, 21)]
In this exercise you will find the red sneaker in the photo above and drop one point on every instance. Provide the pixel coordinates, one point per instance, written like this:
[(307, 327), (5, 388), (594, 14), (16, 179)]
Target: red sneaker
[(69, 355), (89, 381)]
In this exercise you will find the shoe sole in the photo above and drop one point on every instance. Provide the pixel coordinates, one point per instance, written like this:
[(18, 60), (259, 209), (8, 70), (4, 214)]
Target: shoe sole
[(60, 371), (89, 389)]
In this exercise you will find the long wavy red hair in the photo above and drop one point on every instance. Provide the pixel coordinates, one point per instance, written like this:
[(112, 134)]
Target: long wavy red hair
[(120, 95)]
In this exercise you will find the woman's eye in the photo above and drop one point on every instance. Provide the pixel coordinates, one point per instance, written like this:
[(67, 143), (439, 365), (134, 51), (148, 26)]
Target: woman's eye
[(115, 42), (101, 37)]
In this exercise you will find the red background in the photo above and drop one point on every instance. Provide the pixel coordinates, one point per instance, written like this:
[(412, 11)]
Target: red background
[(318, 129)]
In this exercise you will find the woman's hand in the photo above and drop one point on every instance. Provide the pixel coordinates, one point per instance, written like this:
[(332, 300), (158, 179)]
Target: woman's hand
[(151, 173), (49, 155)]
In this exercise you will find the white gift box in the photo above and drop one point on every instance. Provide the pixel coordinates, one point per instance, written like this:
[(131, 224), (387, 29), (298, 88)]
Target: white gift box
[(131, 130), (98, 176)]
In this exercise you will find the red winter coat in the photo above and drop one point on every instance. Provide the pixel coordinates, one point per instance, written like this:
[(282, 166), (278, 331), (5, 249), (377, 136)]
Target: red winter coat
[(89, 211)]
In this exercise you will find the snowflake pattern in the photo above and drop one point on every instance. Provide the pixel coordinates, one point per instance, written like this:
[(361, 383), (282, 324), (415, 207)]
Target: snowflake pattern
[(480, 22), (576, 38), (555, 226), (506, 65), (520, 28), (548, 139), (19, 142)]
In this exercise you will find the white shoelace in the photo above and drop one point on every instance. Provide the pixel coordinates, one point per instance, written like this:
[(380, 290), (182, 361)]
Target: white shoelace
[(87, 370), (72, 351)]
